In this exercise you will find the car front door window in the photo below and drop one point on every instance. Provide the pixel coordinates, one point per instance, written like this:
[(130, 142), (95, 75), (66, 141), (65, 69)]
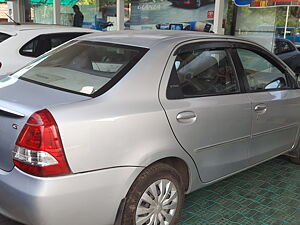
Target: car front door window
[(260, 73), (205, 72)]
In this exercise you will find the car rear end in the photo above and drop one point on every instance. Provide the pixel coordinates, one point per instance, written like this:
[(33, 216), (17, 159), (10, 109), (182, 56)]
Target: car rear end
[(38, 183), (35, 178), (87, 198)]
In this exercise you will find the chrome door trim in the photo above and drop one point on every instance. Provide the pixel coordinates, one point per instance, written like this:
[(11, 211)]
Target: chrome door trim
[(222, 143), (275, 129)]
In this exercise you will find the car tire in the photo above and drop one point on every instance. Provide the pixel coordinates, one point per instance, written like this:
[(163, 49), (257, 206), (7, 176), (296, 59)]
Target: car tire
[(157, 193)]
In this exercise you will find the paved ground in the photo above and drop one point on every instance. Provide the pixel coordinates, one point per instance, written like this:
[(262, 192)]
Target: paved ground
[(268, 194)]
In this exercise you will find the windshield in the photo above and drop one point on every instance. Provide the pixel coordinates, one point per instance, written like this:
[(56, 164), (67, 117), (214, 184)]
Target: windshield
[(3, 37), (82, 67)]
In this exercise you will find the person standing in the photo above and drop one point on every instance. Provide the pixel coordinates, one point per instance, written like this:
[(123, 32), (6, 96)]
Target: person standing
[(78, 17)]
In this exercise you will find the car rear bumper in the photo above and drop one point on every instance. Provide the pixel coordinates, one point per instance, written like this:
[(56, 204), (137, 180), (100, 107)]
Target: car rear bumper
[(87, 198)]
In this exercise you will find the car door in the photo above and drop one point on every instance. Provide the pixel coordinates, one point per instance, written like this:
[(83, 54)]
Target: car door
[(209, 115), (275, 104)]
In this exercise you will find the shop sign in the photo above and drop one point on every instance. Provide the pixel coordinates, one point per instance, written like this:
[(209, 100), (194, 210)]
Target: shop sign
[(267, 3), (242, 2), (149, 7), (210, 14)]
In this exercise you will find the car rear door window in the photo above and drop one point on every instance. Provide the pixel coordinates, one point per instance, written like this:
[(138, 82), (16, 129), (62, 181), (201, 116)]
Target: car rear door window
[(83, 67), (58, 39), (205, 72), (260, 73), (44, 43), (30, 48), (3, 37)]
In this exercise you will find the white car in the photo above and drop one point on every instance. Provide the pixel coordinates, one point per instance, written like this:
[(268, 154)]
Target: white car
[(20, 44)]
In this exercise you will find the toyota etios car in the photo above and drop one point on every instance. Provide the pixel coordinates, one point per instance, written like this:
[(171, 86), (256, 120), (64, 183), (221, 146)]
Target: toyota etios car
[(116, 128)]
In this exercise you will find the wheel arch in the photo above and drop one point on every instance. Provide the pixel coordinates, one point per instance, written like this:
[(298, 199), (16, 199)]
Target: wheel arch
[(176, 163), (185, 172), (180, 165)]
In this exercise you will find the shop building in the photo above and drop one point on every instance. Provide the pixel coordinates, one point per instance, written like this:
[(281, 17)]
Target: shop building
[(123, 14), (259, 20), (263, 21), (3, 12)]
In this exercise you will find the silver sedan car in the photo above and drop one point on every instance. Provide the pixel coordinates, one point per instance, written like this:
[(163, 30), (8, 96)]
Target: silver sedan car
[(116, 128)]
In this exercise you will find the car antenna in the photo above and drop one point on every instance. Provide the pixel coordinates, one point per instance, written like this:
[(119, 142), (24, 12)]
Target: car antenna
[(16, 23)]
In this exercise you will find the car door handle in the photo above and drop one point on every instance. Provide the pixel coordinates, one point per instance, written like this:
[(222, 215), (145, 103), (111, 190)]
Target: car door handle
[(186, 117), (260, 108)]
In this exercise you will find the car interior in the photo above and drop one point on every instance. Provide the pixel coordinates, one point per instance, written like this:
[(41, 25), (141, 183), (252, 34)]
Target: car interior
[(205, 73)]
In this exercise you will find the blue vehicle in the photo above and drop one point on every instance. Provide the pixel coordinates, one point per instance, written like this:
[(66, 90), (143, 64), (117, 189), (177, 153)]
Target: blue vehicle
[(292, 33)]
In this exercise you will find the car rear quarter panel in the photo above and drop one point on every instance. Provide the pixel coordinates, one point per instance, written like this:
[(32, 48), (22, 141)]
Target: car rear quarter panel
[(126, 126)]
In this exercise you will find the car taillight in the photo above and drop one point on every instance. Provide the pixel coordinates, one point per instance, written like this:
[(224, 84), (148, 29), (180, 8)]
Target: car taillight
[(39, 149)]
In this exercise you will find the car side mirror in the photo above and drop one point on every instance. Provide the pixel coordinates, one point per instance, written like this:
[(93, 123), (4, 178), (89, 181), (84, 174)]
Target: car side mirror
[(276, 51), (277, 83)]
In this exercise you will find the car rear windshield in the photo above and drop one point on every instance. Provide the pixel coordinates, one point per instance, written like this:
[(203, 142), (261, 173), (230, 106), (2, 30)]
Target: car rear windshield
[(83, 67), (3, 37)]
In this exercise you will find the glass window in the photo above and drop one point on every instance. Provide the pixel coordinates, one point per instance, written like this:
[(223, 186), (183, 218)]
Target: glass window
[(205, 72), (262, 27), (30, 48), (169, 14), (45, 43), (82, 67), (3, 37), (260, 73), (58, 39)]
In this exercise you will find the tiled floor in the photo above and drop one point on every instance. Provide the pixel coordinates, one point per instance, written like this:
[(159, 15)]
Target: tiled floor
[(266, 194)]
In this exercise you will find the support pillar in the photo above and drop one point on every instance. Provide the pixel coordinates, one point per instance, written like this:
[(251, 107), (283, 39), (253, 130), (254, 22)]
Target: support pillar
[(218, 17), (56, 11), (16, 11), (120, 15)]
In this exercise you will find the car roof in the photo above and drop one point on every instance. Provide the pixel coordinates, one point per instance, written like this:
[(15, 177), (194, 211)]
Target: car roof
[(149, 38), (14, 29)]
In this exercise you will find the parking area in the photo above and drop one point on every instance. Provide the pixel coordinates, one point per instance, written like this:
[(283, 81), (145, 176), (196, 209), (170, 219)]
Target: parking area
[(266, 194)]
